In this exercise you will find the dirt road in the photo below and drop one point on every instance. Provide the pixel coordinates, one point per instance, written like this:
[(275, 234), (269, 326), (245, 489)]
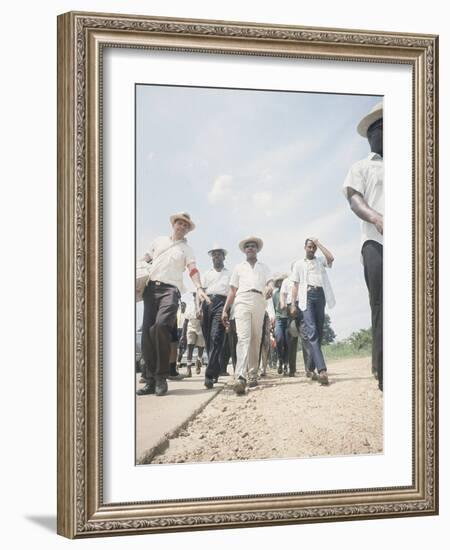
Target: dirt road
[(287, 417)]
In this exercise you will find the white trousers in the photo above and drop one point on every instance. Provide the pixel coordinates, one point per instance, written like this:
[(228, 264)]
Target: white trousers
[(249, 314)]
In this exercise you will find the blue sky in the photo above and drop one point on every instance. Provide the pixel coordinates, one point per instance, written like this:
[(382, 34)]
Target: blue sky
[(252, 162)]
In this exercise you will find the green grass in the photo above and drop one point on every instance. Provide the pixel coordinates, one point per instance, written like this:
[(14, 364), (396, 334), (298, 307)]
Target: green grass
[(341, 350)]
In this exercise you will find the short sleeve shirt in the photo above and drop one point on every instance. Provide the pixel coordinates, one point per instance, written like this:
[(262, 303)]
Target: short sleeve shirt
[(169, 260), (367, 177), (217, 282), (245, 277)]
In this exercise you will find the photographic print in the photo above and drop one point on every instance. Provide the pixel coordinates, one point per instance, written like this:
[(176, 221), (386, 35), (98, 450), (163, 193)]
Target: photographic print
[(226, 246), (263, 193)]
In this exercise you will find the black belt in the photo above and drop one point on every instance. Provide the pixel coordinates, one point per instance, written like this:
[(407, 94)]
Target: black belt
[(312, 287), (254, 290), (213, 296)]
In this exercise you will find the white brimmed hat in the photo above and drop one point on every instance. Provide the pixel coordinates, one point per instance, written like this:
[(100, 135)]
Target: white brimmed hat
[(257, 240), (375, 114), (217, 247), (183, 216)]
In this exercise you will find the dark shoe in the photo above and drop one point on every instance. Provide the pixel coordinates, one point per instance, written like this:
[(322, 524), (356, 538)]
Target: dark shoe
[(239, 387), (177, 376), (253, 383), (280, 370), (209, 383), (291, 373), (314, 376), (198, 369), (148, 389), (323, 378), (161, 387), (189, 371)]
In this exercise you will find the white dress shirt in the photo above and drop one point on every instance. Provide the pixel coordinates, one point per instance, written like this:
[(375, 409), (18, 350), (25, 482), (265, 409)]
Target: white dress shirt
[(169, 260), (367, 176), (301, 274), (245, 277), (217, 282)]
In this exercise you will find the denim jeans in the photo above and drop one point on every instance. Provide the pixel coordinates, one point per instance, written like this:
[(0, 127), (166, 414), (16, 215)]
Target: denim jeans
[(314, 317), (281, 338)]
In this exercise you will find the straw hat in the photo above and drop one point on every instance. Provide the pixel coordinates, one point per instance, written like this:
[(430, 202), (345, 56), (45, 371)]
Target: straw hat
[(217, 247), (375, 114), (183, 216), (257, 240)]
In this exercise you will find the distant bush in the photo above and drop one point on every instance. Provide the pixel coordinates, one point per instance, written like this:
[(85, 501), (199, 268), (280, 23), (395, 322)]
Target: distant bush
[(358, 344)]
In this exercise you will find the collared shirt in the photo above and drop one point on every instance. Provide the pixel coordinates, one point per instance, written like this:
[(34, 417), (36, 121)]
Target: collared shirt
[(300, 273), (367, 176), (169, 260), (245, 277), (217, 282), (314, 272)]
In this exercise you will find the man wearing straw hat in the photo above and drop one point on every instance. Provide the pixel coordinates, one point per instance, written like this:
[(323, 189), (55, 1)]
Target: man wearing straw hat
[(216, 283), (251, 283), (364, 190), (169, 257)]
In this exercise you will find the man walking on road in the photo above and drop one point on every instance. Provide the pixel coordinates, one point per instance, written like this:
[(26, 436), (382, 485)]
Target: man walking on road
[(250, 285), (194, 336), (281, 325), (313, 289), (169, 257), (364, 190), (216, 283)]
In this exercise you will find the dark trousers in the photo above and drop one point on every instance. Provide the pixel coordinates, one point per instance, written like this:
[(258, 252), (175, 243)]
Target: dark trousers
[(214, 333), (306, 352), (229, 346), (160, 317), (292, 353), (372, 253), (281, 338), (313, 318)]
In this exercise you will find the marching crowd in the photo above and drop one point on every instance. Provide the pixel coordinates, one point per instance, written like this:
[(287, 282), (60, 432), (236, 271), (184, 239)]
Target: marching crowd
[(234, 313)]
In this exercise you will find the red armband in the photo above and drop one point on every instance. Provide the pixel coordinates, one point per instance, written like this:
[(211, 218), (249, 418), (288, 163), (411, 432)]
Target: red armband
[(193, 271)]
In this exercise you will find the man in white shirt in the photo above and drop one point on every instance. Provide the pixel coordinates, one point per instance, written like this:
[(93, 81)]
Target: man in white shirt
[(194, 336), (216, 284), (313, 289), (364, 190), (281, 324), (285, 302), (251, 283), (169, 257)]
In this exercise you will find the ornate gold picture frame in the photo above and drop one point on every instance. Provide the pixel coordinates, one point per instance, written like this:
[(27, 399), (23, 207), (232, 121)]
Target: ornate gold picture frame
[(82, 40)]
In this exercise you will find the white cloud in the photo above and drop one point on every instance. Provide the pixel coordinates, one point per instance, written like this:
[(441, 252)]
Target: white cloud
[(263, 201), (222, 189)]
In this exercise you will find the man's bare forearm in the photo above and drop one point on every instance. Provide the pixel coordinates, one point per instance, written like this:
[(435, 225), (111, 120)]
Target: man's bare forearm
[(328, 255), (360, 207)]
